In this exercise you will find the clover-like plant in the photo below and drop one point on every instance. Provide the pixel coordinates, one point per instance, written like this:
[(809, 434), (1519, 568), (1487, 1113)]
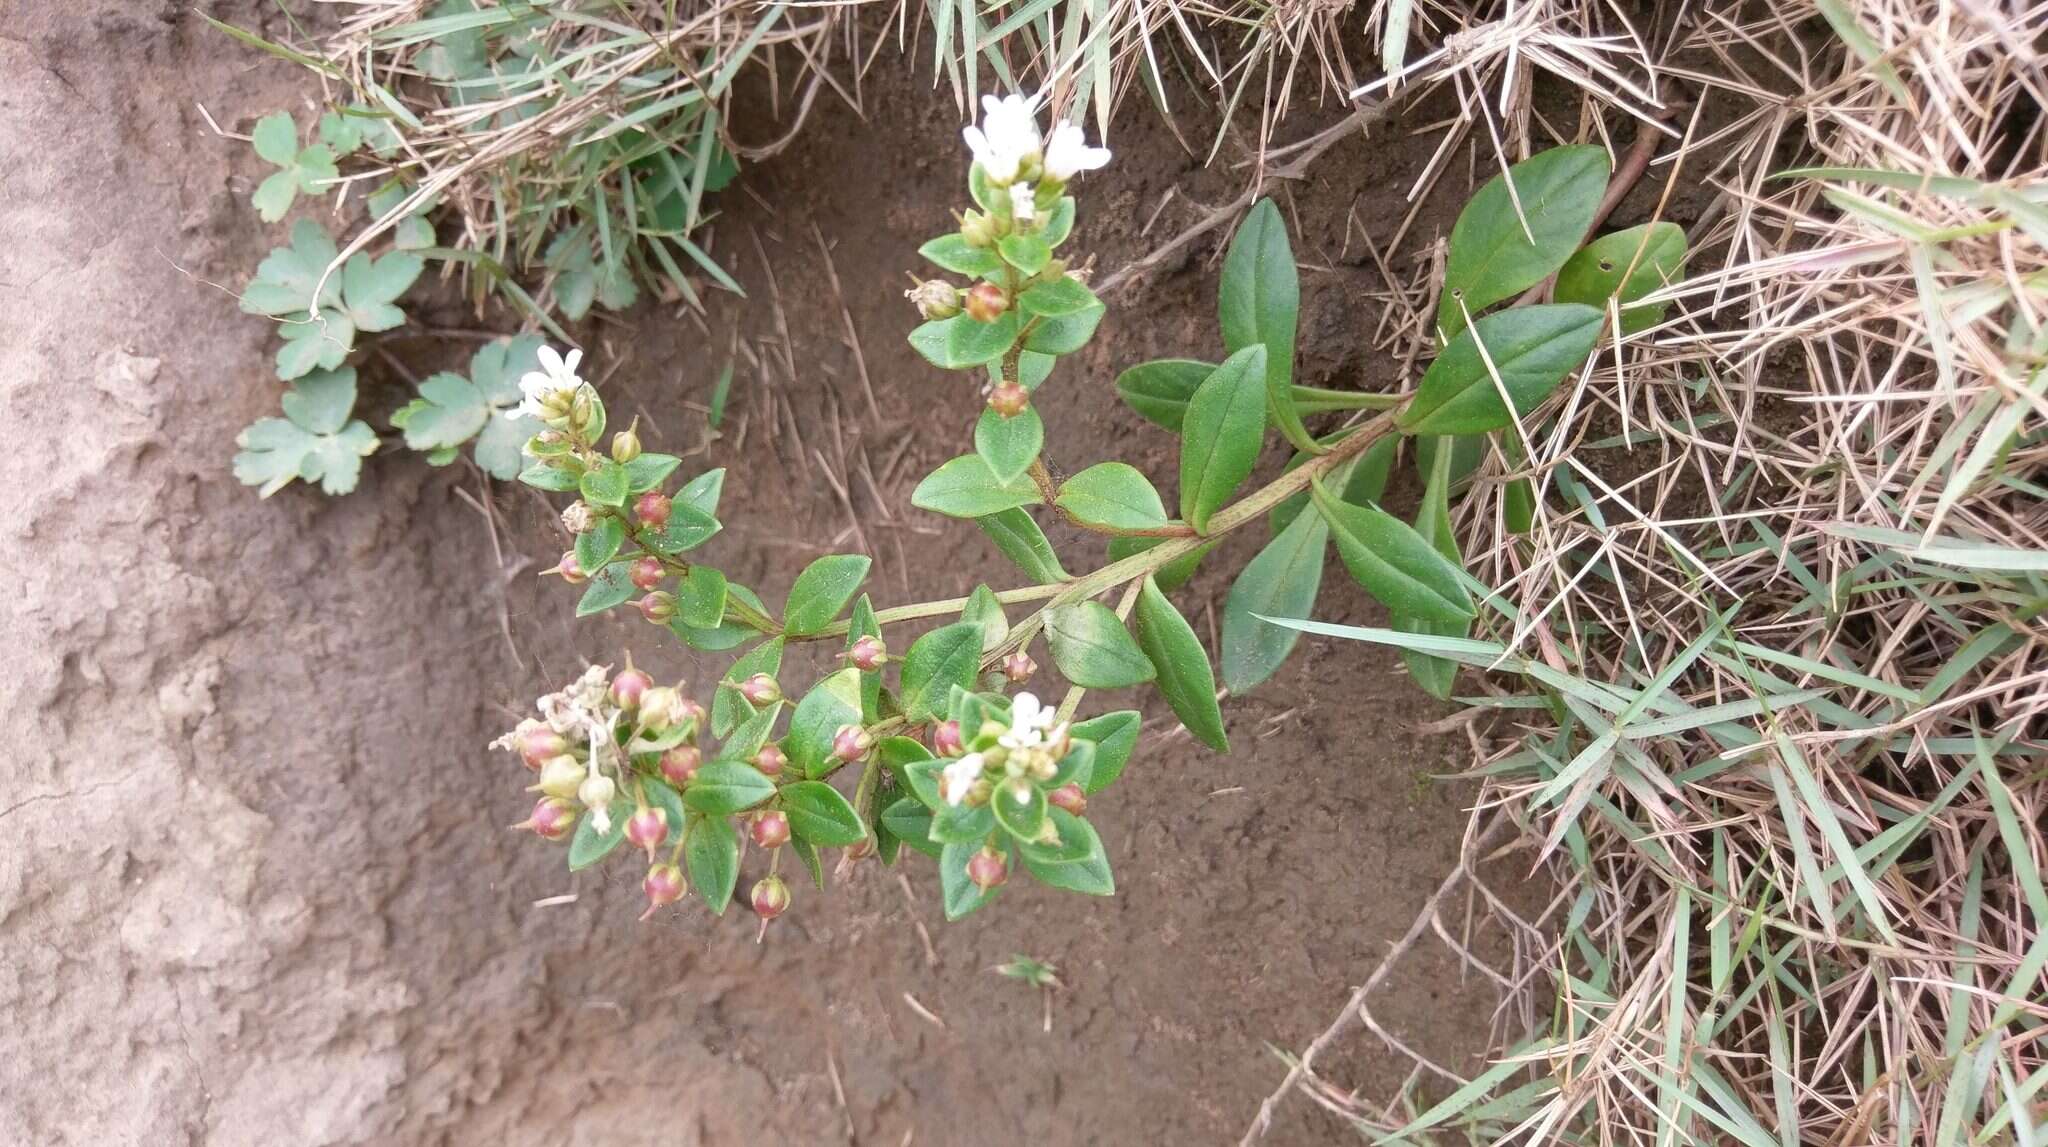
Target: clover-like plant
[(946, 763)]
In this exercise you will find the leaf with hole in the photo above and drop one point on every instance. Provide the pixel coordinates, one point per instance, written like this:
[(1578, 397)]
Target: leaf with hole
[(1222, 433), (1492, 257), (1600, 271), (1531, 350)]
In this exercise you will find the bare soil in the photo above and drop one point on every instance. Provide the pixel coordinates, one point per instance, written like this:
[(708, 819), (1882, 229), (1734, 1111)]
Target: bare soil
[(256, 887)]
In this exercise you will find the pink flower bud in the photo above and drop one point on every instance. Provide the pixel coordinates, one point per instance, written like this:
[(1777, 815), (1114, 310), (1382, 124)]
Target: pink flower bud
[(663, 886), (986, 303), (946, 741), (1069, 797), (689, 711), (680, 763), (770, 761), (761, 689), (647, 573), (538, 744), (769, 830), (867, 653), (851, 743), (552, 819), (1019, 667), (1009, 399), (652, 508), (646, 829), (987, 869), (629, 686), (770, 897), (658, 607), (570, 569)]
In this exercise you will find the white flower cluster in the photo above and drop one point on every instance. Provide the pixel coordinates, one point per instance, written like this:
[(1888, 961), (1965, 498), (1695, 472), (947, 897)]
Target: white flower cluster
[(556, 377), (581, 710), (1032, 730), (1006, 143)]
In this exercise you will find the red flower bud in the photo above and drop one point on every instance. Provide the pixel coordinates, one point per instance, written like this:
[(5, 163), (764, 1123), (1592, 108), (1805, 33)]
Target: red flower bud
[(770, 761), (769, 830), (867, 653), (1019, 667), (538, 744), (986, 303), (946, 741), (663, 886), (658, 607), (1009, 399), (629, 685), (646, 829), (571, 569), (680, 763), (688, 710), (1069, 797), (851, 743), (770, 897), (761, 689), (652, 508), (552, 818), (987, 869), (647, 573)]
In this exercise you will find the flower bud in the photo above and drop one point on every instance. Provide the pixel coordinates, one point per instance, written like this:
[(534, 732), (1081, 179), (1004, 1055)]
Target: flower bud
[(538, 743), (571, 569), (680, 763), (578, 518), (658, 607), (663, 886), (1069, 797), (760, 689), (769, 830), (561, 776), (552, 818), (851, 743), (596, 792), (625, 446), (647, 572), (978, 229), (582, 409), (935, 299), (647, 828), (986, 302), (946, 741), (662, 708), (770, 897), (770, 761), (987, 869), (1019, 667), (629, 686), (1009, 399), (652, 508), (688, 711), (867, 653)]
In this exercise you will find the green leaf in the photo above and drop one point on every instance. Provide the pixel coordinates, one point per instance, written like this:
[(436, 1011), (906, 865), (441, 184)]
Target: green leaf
[(605, 483), (937, 661), (911, 822), (273, 197), (686, 529), (275, 452), (1092, 648), (960, 895), (370, 287), (1173, 574), (649, 471), (953, 253), (1066, 334), (727, 634), (1077, 864), (1062, 296), (985, 610), (1023, 819), (1185, 679), (1532, 349), (1221, 434), (284, 281), (1114, 735), (817, 813), (821, 591), (596, 545), (728, 708), (722, 788), (1492, 258), (1258, 302), (319, 343), (588, 846), (1027, 253), (807, 853), (962, 823), (1281, 581), (1394, 563), (1112, 494), (701, 493), (1435, 675), (1059, 222), (1365, 483), (1008, 445), (1023, 542), (831, 703), (550, 478), (608, 589), (1159, 390), (276, 139), (700, 597), (1600, 271), (712, 852), (963, 341), (320, 403), (967, 488)]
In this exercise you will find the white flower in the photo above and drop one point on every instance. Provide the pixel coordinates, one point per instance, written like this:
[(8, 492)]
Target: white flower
[(1008, 135), (1031, 724), (959, 777), (597, 791), (556, 375), (1023, 204), (1068, 154)]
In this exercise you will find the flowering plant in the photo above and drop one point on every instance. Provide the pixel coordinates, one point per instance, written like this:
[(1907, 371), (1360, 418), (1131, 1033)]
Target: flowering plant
[(947, 764)]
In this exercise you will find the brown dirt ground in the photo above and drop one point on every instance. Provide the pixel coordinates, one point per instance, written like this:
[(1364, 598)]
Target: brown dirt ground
[(257, 888)]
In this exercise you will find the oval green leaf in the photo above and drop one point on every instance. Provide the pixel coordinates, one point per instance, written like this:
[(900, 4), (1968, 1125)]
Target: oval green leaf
[(1092, 648), (1185, 678), (817, 813), (1009, 445), (821, 591), (1222, 433), (722, 788), (1159, 390), (1280, 581), (1492, 258), (1395, 564), (1532, 349), (1023, 542), (1600, 271), (967, 488), (1258, 302), (1112, 494), (712, 853), (937, 661)]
